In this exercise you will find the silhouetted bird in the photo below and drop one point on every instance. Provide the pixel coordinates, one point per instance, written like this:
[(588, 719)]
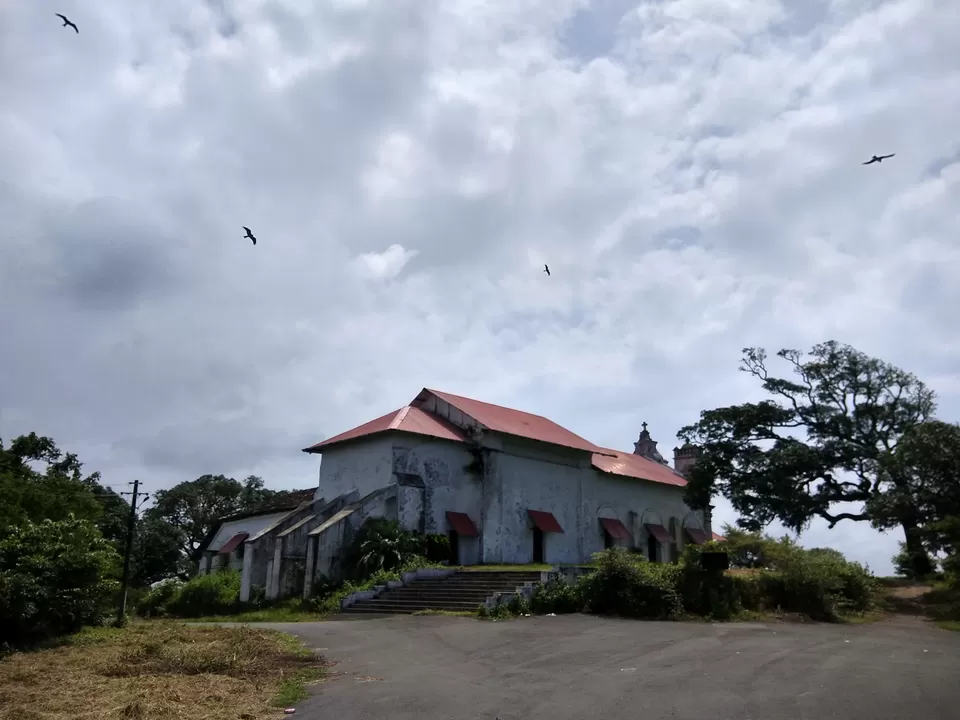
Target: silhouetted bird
[(546, 269), (249, 235), (878, 158), (67, 23)]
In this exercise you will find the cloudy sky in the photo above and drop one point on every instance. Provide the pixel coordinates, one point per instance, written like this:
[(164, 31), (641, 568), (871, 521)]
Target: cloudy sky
[(690, 169)]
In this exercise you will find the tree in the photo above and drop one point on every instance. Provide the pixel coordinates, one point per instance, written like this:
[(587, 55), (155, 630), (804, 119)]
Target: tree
[(57, 491), (55, 577), (194, 507), (157, 552), (924, 472), (817, 445)]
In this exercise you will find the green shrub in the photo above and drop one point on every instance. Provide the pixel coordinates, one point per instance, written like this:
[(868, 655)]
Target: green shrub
[(436, 547), (380, 545), (556, 596), (216, 593), (55, 577), (155, 603), (626, 585), (327, 601)]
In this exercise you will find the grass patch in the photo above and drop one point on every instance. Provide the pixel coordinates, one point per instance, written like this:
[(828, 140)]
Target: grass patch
[(159, 670), (488, 568), (953, 625), (274, 614)]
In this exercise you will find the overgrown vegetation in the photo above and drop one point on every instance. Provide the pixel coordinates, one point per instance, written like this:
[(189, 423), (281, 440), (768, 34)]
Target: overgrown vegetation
[(766, 575), (55, 577), (380, 552), (159, 670)]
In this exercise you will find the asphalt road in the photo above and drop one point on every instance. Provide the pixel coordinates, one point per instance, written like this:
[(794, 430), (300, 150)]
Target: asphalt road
[(577, 666)]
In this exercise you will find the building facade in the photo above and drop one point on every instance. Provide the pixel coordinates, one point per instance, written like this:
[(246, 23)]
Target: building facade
[(504, 485)]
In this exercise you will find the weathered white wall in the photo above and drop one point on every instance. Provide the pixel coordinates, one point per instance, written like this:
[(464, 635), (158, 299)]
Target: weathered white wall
[(250, 525), (534, 477), (363, 465), (447, 486)]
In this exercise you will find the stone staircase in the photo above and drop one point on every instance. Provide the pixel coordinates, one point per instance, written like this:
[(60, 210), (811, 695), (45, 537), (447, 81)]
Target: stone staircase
[(462, 591)]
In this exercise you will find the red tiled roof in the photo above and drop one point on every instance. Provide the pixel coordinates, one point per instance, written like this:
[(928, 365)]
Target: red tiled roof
[(636, 466), (719, 538), (699, 537), (406, 419), (462, 523), (515, 422), (233, 543), (616, 529), (545, 521), (659, 532)]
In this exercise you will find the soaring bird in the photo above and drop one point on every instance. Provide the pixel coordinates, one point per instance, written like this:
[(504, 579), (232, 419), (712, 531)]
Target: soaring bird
[(67, 23), (878, 158), (249, 235), (546, 269)]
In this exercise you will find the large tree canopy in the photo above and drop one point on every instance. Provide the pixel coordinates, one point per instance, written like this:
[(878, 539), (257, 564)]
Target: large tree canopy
[(925, 480), (55, 491), (193, 507), (820, 442)]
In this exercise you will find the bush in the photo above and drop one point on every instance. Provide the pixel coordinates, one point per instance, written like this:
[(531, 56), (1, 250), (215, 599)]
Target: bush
[(380, 545), (556, 596), (55, 577), (156, 602), (624, 584), (327, 601), (217, 593), (436, 547)]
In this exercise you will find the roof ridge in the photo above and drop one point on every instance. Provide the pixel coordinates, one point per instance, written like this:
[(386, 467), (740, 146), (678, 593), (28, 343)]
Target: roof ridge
[(484, 402), (399, 416)]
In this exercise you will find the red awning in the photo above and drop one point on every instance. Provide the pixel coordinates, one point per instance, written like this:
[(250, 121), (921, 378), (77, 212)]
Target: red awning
[(659, 532), (233, 543), (699, 537), (545, 521), (615, 529), (462, 523)]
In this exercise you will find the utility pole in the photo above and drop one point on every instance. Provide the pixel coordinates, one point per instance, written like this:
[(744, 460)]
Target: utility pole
[(131, 525)]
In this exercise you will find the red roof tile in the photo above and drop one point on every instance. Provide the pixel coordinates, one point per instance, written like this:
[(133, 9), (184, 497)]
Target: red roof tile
[(462, 523), (616, 529), (699, 537), (406, 419), (636, 466), (545, 521), (659, 532), (233, 543), (719, 538), (515, 422)]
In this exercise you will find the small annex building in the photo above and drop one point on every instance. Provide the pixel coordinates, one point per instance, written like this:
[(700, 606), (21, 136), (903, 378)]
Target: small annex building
[(506, 486)]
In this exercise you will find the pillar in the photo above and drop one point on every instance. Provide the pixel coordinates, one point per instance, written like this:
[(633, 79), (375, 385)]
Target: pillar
[(204, 564), (308, 572), (273, 584), (246, 576)]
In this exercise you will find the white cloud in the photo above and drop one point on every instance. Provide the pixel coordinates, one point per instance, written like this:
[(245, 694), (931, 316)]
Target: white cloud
[(690, 170)]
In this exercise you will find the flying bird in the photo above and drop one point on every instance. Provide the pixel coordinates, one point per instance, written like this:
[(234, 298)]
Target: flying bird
[(67, 23), (546, 269), (878, 158), (249, 235)]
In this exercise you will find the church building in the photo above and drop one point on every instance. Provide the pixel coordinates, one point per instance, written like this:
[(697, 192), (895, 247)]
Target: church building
[(504, 485)]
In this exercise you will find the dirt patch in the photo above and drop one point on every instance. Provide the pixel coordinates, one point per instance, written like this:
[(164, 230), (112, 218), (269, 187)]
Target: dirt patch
[(157, 670), (921, 599)]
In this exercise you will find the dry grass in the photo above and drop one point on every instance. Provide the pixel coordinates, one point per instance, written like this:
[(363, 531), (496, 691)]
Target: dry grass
[(158, 670)]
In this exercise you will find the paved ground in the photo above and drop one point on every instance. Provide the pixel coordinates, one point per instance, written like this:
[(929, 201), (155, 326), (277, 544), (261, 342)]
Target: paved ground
[(581, 667)]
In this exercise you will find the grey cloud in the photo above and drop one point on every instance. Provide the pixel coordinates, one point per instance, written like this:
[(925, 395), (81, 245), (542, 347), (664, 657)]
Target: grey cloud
[(725, 172)]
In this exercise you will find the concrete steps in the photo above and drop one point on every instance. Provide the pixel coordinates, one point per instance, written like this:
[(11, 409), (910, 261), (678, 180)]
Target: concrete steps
[(463, 591)]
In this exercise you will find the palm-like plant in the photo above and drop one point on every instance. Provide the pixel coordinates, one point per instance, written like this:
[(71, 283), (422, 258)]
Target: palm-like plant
[(385, 546)]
